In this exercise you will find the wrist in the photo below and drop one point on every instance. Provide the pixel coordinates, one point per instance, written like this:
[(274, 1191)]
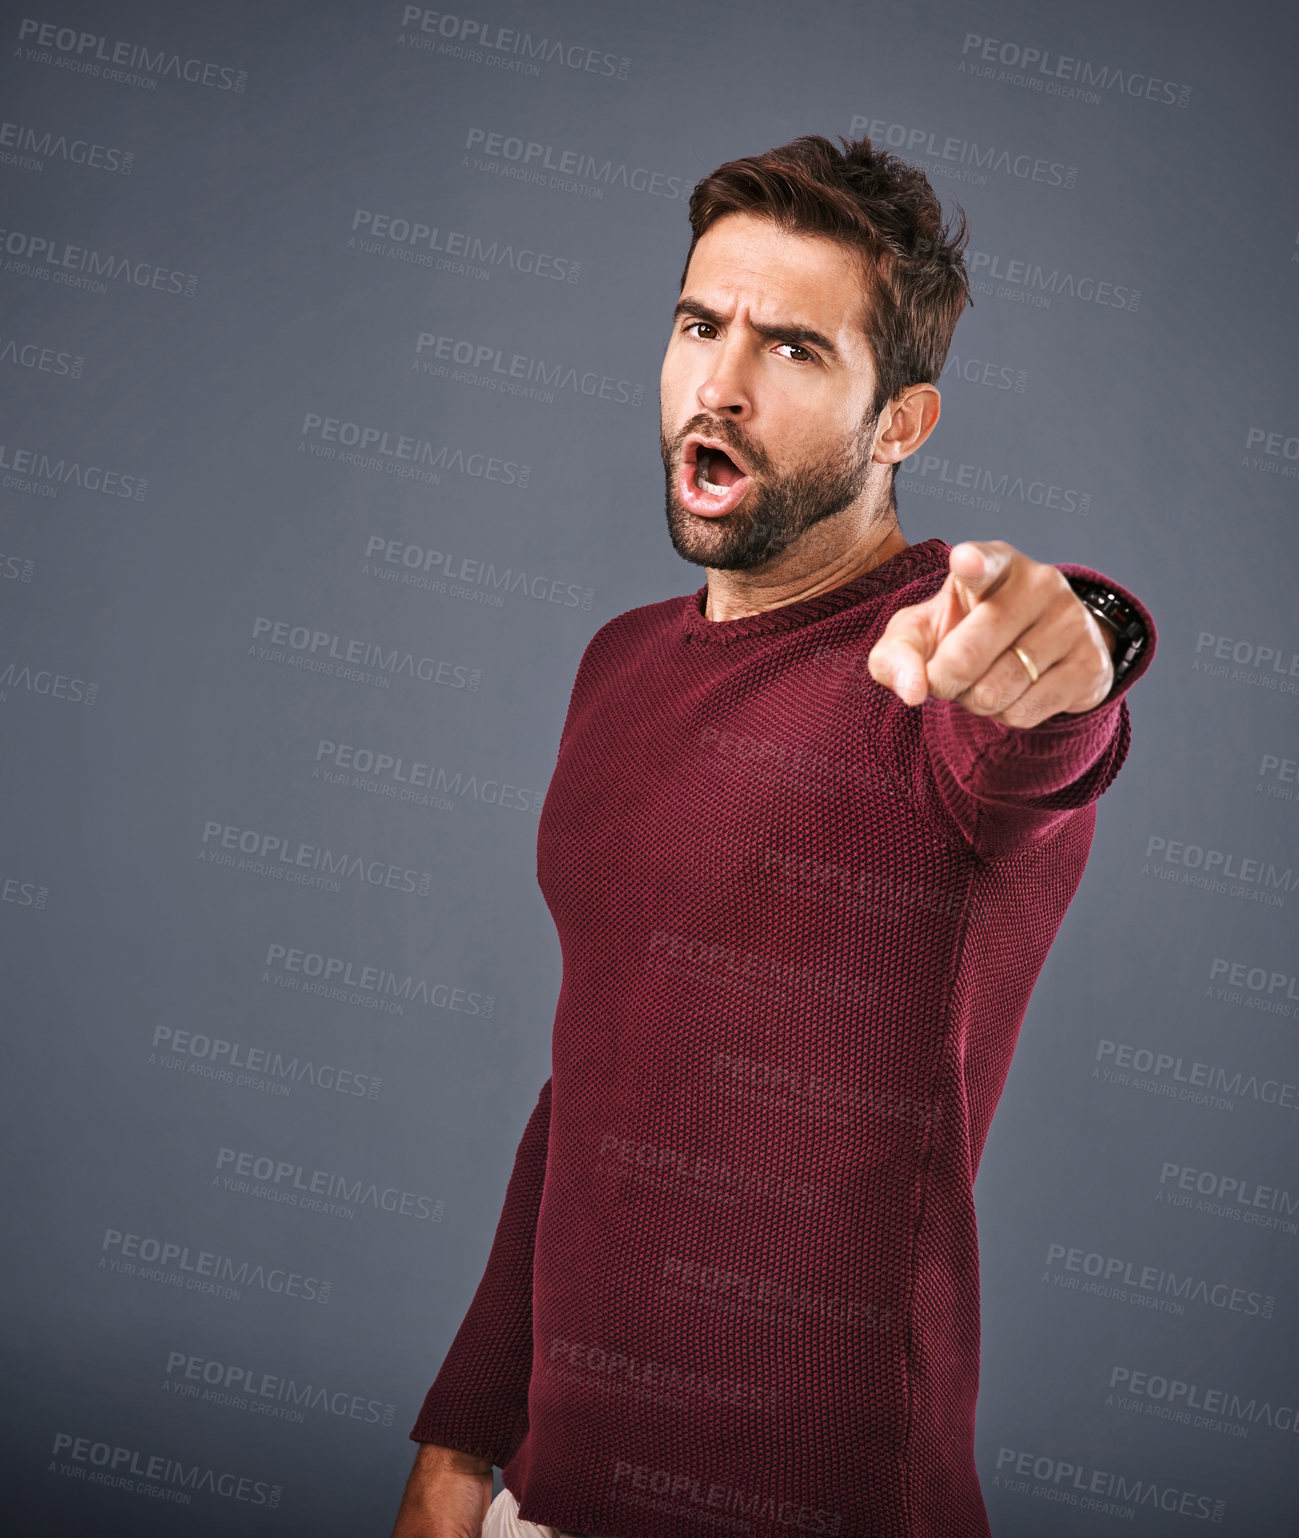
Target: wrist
[(1124, 630), (433, 1456)]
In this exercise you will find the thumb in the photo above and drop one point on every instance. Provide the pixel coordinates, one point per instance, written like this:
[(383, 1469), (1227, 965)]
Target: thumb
[(978, 568)]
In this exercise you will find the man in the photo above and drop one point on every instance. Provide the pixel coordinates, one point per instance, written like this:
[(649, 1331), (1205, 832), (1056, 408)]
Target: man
[(810, 835)]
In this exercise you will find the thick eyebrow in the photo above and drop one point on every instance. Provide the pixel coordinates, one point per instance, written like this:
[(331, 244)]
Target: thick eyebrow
[(688, 306)]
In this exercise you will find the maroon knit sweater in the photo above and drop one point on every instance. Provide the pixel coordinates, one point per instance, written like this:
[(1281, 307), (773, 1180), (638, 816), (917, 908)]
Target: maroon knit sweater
[(735, 1285)]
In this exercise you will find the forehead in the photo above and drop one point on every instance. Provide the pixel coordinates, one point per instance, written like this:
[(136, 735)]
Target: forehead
[(748, 262)]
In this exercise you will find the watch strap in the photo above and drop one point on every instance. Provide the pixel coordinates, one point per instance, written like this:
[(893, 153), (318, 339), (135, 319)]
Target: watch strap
[(1118, 616)]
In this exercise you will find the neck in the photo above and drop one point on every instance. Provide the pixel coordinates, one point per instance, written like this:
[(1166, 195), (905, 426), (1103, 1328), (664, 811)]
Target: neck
[(803, 572)]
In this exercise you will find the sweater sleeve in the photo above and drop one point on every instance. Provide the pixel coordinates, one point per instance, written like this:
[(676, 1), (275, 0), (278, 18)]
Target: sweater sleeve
[(479, 1400), (1006, 787)]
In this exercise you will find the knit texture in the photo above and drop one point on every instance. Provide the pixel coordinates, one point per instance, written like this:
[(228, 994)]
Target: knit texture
[(735, 1285)]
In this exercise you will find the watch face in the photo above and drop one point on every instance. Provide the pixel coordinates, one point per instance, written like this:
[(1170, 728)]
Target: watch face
[(1117, 615)]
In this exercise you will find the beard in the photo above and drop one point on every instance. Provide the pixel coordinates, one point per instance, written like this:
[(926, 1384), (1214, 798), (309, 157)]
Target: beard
[(777, 510)]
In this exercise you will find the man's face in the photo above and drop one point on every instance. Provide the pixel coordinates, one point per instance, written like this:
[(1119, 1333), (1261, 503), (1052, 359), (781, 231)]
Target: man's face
[(765, 395)]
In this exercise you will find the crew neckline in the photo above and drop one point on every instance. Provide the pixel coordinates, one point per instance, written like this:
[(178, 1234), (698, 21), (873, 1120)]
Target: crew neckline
[(899, 568)]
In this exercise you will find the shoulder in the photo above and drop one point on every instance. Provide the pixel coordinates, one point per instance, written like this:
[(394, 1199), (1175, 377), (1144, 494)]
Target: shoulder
[(631, 631), (635, 626)]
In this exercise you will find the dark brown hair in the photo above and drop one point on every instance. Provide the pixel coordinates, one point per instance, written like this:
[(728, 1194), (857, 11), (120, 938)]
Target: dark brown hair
[(915, 280)]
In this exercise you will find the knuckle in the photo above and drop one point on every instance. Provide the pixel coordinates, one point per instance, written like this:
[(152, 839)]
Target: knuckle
[(1101, 689), (960, 656), (1051, 582)]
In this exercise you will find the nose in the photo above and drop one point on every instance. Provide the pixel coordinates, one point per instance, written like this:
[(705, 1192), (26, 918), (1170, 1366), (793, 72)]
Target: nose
[(726, 391)]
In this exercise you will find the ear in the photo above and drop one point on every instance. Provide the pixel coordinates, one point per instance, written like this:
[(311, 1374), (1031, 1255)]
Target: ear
[(906, 422)]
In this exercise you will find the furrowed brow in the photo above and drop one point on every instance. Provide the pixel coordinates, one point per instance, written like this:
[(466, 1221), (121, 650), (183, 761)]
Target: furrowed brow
[(688, 306), (799, 334)]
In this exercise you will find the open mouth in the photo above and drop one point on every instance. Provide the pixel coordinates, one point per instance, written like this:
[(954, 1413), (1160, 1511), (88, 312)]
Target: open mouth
[(711, 481), (716, 471)]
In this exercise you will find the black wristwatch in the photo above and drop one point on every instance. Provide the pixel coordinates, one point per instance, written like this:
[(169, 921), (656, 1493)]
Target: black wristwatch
[(1118, 616)]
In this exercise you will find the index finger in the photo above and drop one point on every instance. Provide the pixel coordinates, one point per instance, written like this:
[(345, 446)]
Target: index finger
[(898, 660)]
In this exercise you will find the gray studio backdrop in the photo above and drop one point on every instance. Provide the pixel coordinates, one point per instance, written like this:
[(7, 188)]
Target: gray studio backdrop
[(329, 351)]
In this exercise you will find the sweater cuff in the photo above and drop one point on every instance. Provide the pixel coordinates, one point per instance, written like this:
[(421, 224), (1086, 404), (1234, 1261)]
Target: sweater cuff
[(1005, 785), (1095, 726)]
